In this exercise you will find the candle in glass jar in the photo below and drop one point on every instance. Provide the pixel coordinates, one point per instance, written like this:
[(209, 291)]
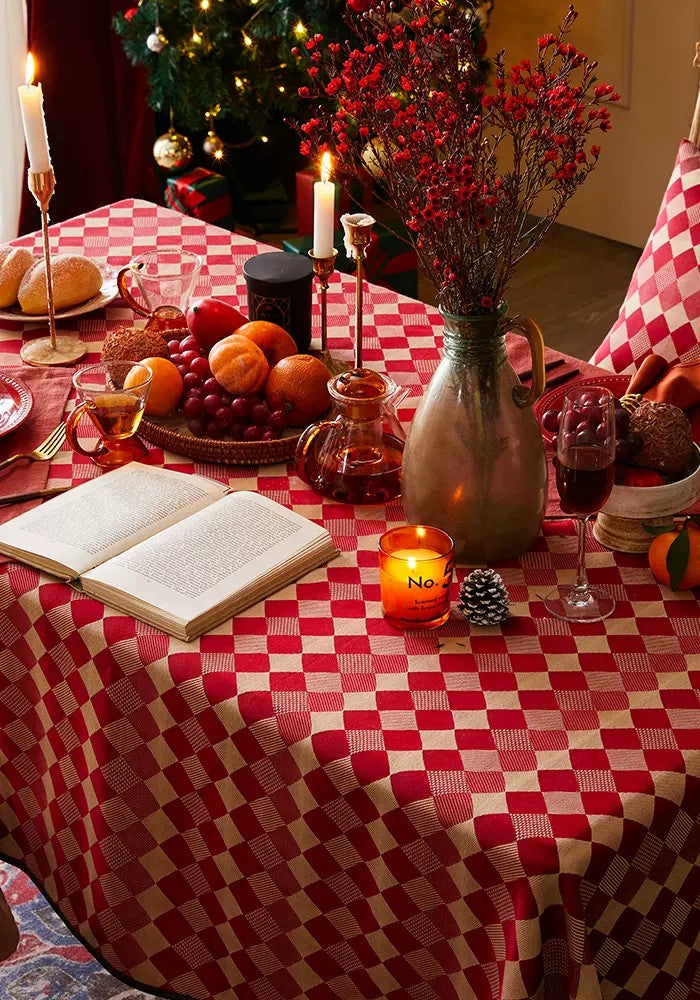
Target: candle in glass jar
[(415, 576), (31, 102), (324, 210)]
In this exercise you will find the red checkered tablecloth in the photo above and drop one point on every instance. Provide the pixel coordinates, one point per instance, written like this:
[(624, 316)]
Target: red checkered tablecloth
[(309, 804)]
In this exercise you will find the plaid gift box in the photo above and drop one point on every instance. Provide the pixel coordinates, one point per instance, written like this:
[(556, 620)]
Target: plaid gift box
[(390, 262), (202, 194)]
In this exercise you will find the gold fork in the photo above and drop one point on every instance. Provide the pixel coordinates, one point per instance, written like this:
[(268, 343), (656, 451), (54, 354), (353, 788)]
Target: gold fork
[(44, 451)]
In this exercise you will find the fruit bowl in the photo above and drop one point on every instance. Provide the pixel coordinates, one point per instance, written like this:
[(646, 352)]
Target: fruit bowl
[(172, 434), (620, 524)]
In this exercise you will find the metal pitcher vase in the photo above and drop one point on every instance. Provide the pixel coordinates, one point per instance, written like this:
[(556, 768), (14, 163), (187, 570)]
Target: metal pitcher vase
[(474, 462)]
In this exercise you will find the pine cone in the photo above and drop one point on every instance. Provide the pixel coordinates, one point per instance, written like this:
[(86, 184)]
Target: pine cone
[(483, 598)]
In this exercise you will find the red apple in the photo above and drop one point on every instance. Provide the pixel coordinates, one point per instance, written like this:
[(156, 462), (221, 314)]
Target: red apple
[(210, 320)]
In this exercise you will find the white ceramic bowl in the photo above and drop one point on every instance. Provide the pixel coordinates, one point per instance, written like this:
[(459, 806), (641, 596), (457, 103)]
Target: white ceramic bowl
[(645, 502)]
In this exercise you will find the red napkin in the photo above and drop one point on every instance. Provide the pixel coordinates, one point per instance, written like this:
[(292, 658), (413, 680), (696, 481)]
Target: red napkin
[(50, 388), (680, 385)]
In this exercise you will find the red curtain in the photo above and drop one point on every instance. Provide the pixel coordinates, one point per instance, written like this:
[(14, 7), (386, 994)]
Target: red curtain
[(100, 129)]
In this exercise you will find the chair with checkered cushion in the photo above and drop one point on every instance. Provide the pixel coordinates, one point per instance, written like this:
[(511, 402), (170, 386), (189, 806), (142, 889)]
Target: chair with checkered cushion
[(661, 311)]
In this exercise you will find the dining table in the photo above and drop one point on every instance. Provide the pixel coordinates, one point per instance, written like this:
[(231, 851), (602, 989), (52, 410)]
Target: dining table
[(309, 803)]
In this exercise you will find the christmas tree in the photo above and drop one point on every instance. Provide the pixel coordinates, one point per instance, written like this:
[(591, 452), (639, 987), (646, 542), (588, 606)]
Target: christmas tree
[(210, 60), (237, 60)]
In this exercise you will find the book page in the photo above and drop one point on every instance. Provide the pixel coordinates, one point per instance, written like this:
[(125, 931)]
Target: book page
[(99, 519), (214, 554)]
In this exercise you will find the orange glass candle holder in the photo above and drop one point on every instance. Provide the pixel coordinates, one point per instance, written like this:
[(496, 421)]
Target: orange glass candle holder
[(416, 564)]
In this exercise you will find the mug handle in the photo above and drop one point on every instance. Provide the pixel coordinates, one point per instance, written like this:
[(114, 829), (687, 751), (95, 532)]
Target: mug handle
[(126, 294), (522, 395), (71, 431)]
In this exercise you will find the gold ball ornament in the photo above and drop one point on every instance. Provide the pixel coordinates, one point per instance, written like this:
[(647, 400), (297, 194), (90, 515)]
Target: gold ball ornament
[(213, 145), (172, 151), (156, 41)]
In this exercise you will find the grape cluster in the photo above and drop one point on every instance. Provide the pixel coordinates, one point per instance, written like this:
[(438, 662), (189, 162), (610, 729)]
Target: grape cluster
[(586, 428), (214, 413)]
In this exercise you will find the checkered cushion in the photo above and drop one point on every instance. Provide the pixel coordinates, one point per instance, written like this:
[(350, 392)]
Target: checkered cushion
[(661, 311)]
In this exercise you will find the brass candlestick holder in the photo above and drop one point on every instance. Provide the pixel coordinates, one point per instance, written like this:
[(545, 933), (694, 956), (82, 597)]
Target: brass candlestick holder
[(323, 269), (358, 233), (54, 349)]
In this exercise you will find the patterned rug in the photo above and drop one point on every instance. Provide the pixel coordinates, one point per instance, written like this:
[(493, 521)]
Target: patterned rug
[(49, 961)]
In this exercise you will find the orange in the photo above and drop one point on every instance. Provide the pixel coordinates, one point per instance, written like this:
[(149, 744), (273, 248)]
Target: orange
[(658, 550), (166, 386), (238, 365), (299, 385), (273, 341)]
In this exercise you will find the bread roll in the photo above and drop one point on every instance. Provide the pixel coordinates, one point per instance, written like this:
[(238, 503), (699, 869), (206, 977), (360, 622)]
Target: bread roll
[(14, 264), (75, 280)]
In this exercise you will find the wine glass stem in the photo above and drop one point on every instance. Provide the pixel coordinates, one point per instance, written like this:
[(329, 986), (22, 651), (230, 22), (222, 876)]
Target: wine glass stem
[(580, 591)]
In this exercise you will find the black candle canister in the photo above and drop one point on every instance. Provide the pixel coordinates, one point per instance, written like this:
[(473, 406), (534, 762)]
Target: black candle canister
[(279, 291)]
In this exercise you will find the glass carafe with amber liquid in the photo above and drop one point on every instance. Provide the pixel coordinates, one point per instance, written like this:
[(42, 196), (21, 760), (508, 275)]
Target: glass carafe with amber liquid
[(356, 457)]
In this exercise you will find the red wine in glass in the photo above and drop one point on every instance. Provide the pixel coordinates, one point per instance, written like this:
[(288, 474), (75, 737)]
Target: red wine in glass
[(585, 470), (585, 478)]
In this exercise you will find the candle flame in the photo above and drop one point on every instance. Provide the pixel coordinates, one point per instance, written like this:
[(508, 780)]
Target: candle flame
[(326, 166), (29, 71), (412, 563), (420, 533)]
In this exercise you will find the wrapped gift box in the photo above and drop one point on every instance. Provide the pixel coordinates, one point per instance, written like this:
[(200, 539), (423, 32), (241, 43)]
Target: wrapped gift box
[(203, 194), (390, 262)]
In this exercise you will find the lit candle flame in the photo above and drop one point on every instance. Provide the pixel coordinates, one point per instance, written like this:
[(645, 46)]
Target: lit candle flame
[(420, 533), (29, 72), (326, 164), (412, 564)]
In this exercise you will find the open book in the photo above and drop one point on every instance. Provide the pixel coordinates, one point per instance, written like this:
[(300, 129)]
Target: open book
[(177, 551)]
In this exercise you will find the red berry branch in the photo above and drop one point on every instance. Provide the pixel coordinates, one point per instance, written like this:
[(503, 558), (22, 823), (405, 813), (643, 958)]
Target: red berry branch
[(463, 165)]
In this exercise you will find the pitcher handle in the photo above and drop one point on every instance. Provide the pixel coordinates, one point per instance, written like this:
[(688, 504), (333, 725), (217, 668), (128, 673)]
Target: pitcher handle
[(126, 294), (522, 395), (72, 435), (304, 443)]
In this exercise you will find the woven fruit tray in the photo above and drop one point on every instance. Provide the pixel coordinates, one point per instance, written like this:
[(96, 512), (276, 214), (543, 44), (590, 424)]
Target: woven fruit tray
[(172, 434)]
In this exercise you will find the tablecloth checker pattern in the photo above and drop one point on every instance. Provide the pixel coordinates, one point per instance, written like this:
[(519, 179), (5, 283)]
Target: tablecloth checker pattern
[(661, 311), (309, 804)]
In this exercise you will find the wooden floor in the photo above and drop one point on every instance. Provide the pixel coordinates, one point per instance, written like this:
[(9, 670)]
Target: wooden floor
[(573, 286)]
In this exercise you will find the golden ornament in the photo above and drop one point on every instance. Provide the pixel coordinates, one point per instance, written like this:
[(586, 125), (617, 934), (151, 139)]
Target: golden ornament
[(213, 145), (172, 151)]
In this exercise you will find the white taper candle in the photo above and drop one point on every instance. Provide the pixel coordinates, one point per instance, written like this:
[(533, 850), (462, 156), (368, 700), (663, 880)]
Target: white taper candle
[(31, 101), (324, 210)]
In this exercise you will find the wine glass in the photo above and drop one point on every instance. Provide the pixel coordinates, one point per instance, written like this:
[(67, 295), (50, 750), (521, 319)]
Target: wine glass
[(585, 471)]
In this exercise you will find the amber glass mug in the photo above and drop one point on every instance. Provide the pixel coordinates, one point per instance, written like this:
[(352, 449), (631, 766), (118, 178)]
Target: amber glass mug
[(113, 395)]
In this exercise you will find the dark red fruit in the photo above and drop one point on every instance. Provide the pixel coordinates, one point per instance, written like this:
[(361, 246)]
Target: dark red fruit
[(240, 408), (252, 433), (259, 414), (197, 426), (642, 477), (550, 421), (200, 366), (193, 407), (190, 380), (212, 403), (277, 420)]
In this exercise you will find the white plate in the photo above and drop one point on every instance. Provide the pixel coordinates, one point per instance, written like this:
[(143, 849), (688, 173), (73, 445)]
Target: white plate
[(106, 294)]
